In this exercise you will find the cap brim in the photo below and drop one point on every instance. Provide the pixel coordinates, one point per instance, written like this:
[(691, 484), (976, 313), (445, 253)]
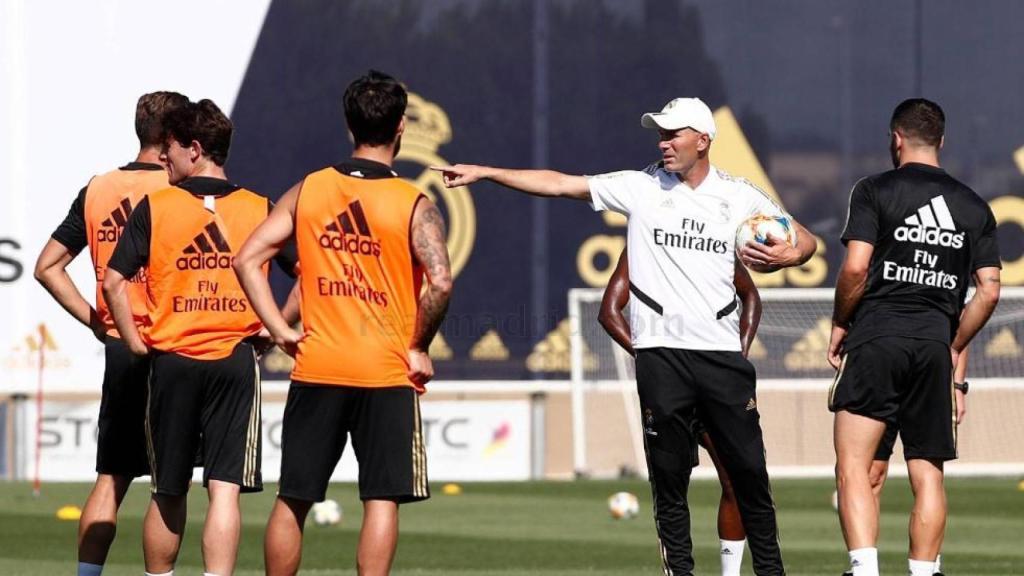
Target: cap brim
[(655, 120), (660, 120)]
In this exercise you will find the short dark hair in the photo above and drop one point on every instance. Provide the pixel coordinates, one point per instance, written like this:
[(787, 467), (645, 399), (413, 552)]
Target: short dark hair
[(203, 122), (920, 119), (374, 106), (150, 114)]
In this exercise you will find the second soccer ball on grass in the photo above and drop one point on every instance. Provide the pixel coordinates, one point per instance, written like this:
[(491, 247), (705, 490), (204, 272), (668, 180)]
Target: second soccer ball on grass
[(326, 513), (623, 505)]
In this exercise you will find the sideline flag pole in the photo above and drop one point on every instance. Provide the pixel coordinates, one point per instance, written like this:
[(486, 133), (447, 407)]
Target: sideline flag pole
[(43, 339)]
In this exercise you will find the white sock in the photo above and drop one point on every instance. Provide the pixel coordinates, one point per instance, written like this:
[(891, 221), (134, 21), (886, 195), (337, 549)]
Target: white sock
[(938, 564), (864, 561), (87, 569), (731, 552), (921, 567), (171, 573), (209, 574)]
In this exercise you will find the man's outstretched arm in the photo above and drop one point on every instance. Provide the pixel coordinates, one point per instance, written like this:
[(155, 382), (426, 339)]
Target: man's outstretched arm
[(546, 183), (431, 252), (262, 245)]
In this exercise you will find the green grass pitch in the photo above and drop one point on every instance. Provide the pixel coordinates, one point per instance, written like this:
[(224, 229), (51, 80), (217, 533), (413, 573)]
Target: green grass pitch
[(534, 528)]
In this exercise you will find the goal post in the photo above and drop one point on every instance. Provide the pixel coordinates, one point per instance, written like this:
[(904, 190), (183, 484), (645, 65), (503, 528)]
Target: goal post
[(603, 386), (789, 353)]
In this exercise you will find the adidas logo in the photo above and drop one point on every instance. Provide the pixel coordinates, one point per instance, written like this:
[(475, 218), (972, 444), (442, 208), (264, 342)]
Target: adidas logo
[(757, 350), (439, 349), (667, 203), (112, 226), (552, 354), (809, 352), (489, 348), (932, 224), (42, 339), (345, 237), (1003, 345), (752, 405), (208, 250)]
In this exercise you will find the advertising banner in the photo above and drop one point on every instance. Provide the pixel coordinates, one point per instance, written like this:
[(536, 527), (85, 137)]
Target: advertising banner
[(464, 441)]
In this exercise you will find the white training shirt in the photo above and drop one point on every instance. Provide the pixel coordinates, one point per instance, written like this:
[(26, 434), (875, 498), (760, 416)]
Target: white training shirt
[(681, 249)]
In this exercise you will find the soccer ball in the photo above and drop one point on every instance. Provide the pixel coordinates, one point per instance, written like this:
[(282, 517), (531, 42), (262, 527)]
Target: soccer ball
[(326, 513), (623, 505), (757, 228)]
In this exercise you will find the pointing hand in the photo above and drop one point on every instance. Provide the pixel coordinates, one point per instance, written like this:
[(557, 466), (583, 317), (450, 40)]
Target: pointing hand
[(460, 174)]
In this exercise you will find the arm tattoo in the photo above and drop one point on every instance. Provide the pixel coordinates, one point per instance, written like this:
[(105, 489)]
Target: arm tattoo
[(431, 251)]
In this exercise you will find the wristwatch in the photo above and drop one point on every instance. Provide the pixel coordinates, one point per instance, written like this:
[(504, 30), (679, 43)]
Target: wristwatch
[(961, 386)]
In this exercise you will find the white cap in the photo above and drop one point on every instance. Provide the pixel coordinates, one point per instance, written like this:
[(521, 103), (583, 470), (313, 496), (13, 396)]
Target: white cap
[(682, 113)]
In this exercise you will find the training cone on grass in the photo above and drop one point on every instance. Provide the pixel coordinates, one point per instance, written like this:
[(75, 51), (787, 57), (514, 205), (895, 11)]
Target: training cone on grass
[(69, 513), (1020, 486), (451, 489)]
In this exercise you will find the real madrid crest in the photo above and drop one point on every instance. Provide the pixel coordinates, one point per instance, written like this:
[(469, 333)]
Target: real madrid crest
[(427, 128), (724, 211)]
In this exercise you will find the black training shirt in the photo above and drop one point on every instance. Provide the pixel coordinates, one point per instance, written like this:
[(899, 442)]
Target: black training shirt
[(930, 233)]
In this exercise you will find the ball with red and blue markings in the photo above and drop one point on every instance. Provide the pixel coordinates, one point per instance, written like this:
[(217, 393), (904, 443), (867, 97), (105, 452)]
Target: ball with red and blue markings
[(759, 227)]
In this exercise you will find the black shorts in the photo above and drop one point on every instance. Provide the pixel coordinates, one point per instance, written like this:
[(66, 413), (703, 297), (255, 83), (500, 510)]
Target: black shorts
[(121, 439), (386, 435), (694, 370), (208, 407), (887, 443), (906, 383)]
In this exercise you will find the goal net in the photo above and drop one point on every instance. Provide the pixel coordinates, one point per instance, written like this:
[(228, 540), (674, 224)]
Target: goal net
[(789, 353)]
